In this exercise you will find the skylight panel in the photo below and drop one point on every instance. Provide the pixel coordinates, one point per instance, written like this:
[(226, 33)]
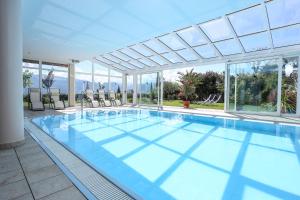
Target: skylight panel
[(109, 57), (256, 42), (172, 42), (217, 30), (142, 50), (130, 53), (129, 66), (187, 54), (192, 36), (248, 21), (286, 36), (228, 47), (136, 63), (104, 60), (158, 60), (171, 56), (147, 62), (120, 55), (283, 12), (156, 46), (206, 51)]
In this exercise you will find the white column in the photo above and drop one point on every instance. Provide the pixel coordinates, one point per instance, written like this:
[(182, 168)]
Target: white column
[(162, 89), (134, 101), (280, 64), (93, 75), (71, 78), (11, 75), (40, 74), (109, 86), (298, 90), (226, 91), (124, 88)]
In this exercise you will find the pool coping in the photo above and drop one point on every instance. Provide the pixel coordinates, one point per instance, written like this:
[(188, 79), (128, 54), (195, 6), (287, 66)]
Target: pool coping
[(93, 184)]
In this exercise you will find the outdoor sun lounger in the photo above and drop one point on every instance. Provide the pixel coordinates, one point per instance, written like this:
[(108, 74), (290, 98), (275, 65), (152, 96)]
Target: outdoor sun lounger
[(102, 99), (205, 100), (90, 99), (55, 101), (35, 102), (217, 99), (114, 101)]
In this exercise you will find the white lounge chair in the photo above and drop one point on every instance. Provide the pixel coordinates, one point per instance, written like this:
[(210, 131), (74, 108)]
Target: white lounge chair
[(90, 99), (113, 99), (55, 101), (102, 98), (35, 102)]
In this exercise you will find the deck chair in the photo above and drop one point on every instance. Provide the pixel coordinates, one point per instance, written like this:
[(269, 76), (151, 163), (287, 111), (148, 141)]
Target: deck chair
[(205, 100), (90, 99), (114, 101), (102, 99), (55, 101), (35, 102), (217, 99)]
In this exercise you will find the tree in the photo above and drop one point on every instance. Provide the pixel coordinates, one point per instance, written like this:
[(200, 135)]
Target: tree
[(188, 80), (27, 78), (48, 81), (171, 90)]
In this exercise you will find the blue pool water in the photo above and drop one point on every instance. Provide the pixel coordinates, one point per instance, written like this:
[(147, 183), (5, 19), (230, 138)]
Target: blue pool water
[(161, 155)]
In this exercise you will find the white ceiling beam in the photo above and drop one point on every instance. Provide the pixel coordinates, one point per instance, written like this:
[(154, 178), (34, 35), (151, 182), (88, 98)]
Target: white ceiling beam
[(118, 64), (128, 62), (209, 42), (265, 11), (234, 34), (108, 66), (142, 56)]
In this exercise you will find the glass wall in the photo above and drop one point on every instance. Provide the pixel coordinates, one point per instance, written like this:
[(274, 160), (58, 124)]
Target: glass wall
[(30, 75), (149, 88), (253, 86), (100, 77), (83, 78), (129, 89), (289, 85)]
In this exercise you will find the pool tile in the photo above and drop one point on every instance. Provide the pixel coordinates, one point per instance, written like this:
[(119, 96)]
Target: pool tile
[(153, 132), (199, 128), (229, 133)]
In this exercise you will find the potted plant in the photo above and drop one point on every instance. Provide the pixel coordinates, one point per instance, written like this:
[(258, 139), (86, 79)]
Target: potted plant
[(188, 83)]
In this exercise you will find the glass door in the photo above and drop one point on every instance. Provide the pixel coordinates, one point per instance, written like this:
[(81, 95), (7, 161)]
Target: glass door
[(149, 87), (289, 85)]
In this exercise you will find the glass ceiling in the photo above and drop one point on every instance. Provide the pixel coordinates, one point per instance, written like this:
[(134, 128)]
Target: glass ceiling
[(269, 25)]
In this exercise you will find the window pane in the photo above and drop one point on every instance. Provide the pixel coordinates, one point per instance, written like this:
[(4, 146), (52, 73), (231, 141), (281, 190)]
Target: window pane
[(115, 73), (120, 55), (289, 85), (206, 51), (147, 62), (142, 50), (172, 42), (228, 47), (249, 21), (116, 86), (217, 30), (99, 69), (130, 53), (60, 79), (187, 54), (158, 60), (192, 36), (101, 80), (286, 36), (156, 46), (283, 12), (84, 66), (256, 42), (171, 57), (148, 88), (34, 80), (253, 86)]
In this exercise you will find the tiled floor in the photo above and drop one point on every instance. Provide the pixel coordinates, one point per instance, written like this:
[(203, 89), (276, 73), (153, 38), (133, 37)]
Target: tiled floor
[(26, 172)]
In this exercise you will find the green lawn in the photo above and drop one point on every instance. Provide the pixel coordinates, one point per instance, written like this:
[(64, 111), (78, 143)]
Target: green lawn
[(178, 103)]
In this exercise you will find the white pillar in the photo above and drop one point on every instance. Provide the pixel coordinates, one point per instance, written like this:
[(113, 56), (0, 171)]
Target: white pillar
[(162, 89), (279, 83), (40, 74), (134, 100), (124, 88), (93, 75), (11, 84), (109, 86), (226, 90), (71, 78)]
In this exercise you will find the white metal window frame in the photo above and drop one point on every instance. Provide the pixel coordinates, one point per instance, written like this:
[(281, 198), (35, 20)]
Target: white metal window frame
[(279, 62)]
